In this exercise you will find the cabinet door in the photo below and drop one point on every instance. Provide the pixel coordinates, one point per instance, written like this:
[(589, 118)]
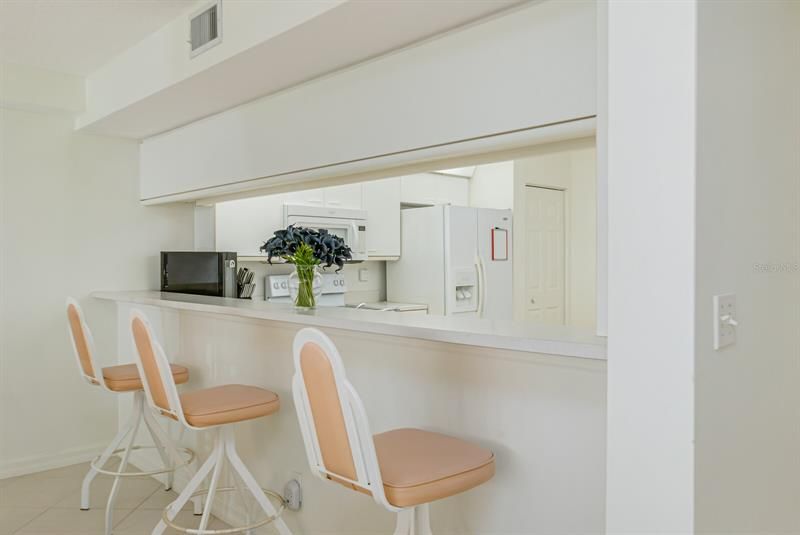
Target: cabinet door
[(242, 226), (308, 197), (382, 203), (347, 196), (428, 189)]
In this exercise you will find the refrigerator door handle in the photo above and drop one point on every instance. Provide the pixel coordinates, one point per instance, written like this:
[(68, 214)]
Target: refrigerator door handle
[(481, 284)]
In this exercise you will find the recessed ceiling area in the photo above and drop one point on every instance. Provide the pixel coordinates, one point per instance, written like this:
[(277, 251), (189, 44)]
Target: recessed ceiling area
[(140, 79), (78, 36), (345, 34)]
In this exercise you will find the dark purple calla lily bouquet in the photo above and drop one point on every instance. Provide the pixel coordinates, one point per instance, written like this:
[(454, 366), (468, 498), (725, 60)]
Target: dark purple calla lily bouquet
[(307, 248)]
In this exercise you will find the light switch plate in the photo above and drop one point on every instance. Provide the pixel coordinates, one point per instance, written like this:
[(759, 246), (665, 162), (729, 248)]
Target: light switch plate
[(724, 333), (363, 275)]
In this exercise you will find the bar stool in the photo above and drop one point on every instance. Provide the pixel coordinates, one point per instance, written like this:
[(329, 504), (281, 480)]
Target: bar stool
[(122, 379), (213, 408), (403, 469)]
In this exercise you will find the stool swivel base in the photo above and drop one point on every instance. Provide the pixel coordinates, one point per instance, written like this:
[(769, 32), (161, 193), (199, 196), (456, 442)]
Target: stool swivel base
[(224, 452), (172, 457)]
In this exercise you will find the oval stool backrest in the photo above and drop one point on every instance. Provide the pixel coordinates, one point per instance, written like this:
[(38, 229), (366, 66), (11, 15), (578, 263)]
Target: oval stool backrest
[(332, 418), (81, 341), (154, 369), (326, 411)]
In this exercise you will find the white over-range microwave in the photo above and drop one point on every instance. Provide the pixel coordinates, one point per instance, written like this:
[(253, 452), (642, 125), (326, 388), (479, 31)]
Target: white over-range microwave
[(348, 224)]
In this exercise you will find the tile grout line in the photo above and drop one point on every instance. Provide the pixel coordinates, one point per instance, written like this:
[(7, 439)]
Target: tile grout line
[(121, 520), (137, 508), (19, 529), (118, 519), (132, 510), (121, 515)]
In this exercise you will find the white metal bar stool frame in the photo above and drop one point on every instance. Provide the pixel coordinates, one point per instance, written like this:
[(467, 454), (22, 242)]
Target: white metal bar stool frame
[(224, 450), (410, 520), (171, 455)]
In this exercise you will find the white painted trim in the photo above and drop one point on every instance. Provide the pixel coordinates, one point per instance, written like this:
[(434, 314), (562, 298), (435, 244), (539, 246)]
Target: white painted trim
[(601, 141), (39, 463), (652, 252)]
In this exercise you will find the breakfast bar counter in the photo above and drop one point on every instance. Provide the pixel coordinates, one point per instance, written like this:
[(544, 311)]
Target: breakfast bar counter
[(544, 339), (535, 396)]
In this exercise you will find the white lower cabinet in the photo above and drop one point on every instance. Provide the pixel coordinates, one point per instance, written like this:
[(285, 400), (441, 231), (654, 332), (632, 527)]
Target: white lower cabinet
[(428, 189), (381, 200)]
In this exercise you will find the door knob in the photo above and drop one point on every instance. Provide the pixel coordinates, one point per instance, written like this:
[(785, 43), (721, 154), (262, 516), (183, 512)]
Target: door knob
[(533, 301)]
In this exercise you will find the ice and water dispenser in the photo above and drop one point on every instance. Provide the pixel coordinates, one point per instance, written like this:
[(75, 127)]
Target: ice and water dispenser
[(466, 292)]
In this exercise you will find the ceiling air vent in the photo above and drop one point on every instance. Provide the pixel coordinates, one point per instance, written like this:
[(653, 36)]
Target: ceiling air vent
[(205, 28)]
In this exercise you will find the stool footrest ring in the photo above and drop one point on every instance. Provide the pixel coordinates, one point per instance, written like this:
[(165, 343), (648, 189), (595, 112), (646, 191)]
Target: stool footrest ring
[(185, 462), (227, 531)]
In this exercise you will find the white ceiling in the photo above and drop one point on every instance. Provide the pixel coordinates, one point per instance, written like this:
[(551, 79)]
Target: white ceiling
[(78, 36)]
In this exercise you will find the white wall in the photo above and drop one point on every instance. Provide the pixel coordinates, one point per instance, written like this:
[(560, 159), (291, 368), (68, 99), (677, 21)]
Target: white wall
[(748, 243), (704, 199), (33, 89), (492, 186), (71, 223), (569, 165), (651, 178)]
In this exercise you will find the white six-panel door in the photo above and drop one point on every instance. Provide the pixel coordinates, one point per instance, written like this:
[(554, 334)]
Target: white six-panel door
[(545, 255)]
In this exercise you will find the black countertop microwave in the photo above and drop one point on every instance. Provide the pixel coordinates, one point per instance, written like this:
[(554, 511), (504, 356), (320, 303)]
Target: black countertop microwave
[(198, 272)]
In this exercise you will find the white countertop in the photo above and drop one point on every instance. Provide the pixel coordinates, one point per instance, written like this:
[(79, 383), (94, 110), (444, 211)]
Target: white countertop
[(545, 339)]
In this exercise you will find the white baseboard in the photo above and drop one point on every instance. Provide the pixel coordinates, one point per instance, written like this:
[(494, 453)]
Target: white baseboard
[(40, 463)]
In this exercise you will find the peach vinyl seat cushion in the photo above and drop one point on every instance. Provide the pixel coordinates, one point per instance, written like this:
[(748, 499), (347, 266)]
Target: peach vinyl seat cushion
[(422, 466), (227, 404), (125, 377)]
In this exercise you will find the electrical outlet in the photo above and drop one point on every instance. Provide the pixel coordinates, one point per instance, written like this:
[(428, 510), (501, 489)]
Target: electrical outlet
[(725, 322), (293, 494)]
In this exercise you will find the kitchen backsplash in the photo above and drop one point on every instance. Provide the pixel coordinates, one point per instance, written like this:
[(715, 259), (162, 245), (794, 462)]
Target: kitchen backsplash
[(358, 291)]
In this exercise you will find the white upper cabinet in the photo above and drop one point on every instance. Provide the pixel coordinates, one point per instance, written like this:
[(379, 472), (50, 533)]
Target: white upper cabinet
[(347, 196), (382, 203), (242, 226), (428, 189), (308, 197)]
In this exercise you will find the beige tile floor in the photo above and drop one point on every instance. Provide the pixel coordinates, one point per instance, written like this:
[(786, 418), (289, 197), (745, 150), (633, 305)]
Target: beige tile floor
[(48, 503)]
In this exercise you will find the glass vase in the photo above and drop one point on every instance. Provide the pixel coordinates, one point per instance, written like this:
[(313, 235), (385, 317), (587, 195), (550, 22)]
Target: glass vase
[(305, 286)]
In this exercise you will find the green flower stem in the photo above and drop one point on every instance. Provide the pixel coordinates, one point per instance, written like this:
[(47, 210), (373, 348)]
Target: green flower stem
[(305, 291)]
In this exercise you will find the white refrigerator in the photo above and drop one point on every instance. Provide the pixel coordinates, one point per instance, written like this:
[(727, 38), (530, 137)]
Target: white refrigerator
[(455, 259)]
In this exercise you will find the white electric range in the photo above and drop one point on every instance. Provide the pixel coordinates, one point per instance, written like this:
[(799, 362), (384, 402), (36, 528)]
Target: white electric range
[(333, 289)]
